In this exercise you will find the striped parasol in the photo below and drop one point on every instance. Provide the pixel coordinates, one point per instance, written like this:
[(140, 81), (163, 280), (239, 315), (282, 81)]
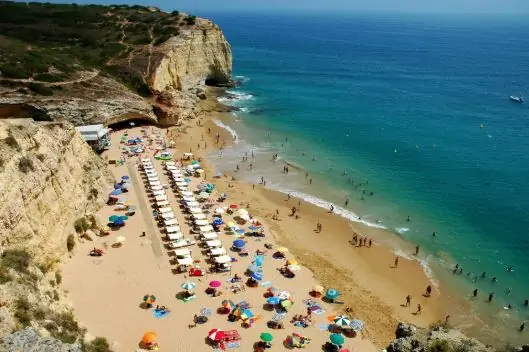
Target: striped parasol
[(188, 285), (342, 320)]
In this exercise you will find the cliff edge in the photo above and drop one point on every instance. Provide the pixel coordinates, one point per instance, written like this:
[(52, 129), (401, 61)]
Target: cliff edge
[(107, 64)]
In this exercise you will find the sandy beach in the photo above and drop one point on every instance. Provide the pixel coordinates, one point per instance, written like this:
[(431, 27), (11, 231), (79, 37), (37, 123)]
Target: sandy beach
[(106, 292)]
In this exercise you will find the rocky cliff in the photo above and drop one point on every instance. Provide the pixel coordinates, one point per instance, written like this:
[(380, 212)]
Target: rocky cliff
[(129, 63), (49, 178)]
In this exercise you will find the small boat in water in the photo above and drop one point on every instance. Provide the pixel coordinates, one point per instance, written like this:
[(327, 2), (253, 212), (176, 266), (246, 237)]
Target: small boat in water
[(518, 100)]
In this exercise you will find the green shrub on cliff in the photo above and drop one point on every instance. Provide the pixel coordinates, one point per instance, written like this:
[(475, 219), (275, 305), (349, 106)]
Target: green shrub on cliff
[(99, 344), (17, 259)]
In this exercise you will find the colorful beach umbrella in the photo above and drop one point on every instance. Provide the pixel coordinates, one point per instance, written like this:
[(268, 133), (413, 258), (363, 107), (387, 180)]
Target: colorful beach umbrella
[(356, 325), (273, 300), (332, 293), (282, 250), (238, 244), (113, 218), (337, 339), (257, 276), (216, 335), (341, 320), (234, 206), (215, 283), (188, 285), (117, 186), (123, 217), (149, 299), (125, 177), (227, 303), (266, 337), (149, 337)]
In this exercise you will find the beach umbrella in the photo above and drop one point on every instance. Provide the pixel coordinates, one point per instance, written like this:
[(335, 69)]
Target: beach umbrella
[(187, 180), (205, 312), (286, 303), (120, 239), (341, 320), (203, 195), (123, 217), (283, 295), (239, 244), (254, 268), (294, 267), (231, 224), (188, 285), (113, 218), (200, 171), (149, 337), (282, 250), (344, 350), (273, 300), (217, 221), (233, 206), (245, 217), (292, 262), (241, 212), (318, 288), (149, 299), (332, 293), (266, 337), (117, 186), (125, 177), (253, 228), (239, 231), (216, 335), (119, 222), (132, 207), (356, 325), (116, 192), (227, 303), (337, 339), (215, 284), (259, 260), (220, 211), (257, 276)]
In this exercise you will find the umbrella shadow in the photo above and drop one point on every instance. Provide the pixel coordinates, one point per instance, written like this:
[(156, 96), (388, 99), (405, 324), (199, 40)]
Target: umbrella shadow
[(145, 306)]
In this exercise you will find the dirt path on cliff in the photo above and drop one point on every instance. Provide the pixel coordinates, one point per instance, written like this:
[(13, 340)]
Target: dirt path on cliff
[(85, 76)]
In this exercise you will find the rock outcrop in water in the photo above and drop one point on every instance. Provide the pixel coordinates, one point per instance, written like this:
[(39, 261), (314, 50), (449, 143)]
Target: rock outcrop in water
[(49, 180), (437, 339)]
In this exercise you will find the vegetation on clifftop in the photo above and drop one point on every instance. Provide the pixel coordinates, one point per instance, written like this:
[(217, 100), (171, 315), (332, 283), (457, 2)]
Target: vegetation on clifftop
[(51, 42)]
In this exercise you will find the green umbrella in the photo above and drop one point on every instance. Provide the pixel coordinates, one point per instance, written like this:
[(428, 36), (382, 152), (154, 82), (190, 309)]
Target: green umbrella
[(337, 339), (113, 218), (266, 337)]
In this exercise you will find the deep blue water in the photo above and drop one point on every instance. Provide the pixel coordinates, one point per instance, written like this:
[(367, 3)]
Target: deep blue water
[(417, 105)]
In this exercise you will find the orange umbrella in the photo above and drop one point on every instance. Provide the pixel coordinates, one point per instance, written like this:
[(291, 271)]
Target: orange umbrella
[(149, 337)]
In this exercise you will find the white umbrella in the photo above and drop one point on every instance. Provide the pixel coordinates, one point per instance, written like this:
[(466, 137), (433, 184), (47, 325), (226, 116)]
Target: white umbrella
[(245, 217), (220, 210), (120, 239), (188, 285), (342, 320), (241, 212)]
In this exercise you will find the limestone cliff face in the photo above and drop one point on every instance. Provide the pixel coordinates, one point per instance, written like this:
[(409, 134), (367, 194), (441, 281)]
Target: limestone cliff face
[(49, 178)]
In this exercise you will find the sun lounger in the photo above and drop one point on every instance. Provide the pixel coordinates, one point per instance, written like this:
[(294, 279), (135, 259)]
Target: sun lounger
[(205, 229), (189, 199), (193, 204), (223, 259), (209, 236), (199, 217), (165, 210), (181, 243), (160, 198), (156, 187), (154, 183), (151, 173), (214, 244), (158, 193), (162, 203), (201, 222), (183, 252), (195, 210), (179, 179), (186, 194), (148, 168), (167, 216), (171, 167), (181, 184), (170, 163), (170, 222), (184, 261), (145, 160), (217, 251), (170, 229), (175, 236)]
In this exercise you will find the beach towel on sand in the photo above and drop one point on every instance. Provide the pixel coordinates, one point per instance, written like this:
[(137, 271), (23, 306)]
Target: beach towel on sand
[(266, 284), (159, 314), (233, 344), (323, 327)]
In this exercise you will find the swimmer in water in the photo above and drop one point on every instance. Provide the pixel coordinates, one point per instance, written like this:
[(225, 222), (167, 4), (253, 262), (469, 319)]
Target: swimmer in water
[(510, 269)]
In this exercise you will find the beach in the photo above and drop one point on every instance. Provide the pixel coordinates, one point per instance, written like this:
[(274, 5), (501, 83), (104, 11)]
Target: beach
[(106, 292)]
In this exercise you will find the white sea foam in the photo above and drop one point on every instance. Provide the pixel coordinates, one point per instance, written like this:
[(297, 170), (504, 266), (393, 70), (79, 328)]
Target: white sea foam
[(423, 262), (229, 129), (402, 230), (349, 215), (239, 95), (241, 79)]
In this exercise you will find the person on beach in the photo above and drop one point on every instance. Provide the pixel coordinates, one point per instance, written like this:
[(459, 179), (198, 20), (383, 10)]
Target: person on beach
[(475, 293), (331, 209), (143, 234), (522, 327), (428, 291), (310, 181), (419, 310), (396, 264), (408, 300), (483, 275), (491, 295), (237, 167), (370, 243), (346, 202), (417, 250), (447, 319), (526, 303)]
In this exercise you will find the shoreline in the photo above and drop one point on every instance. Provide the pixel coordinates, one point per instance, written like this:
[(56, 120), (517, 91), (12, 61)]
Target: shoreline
[(359, 271)]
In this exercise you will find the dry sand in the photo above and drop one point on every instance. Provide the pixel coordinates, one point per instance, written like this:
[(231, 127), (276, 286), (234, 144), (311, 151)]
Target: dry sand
[(106, 292)]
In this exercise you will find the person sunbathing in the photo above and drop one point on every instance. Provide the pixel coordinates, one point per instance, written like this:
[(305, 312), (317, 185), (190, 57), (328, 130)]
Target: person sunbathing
[(236, 278)]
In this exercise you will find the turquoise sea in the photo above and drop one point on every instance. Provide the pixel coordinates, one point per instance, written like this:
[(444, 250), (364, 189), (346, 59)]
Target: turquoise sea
[(413, 108)]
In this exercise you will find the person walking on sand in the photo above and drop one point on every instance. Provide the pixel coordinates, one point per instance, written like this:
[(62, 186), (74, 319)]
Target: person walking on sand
[(310, 181), (408, 300), (331, 209), (417, 250), (428, 291), (522, 327), (143, 234), (370, 243), (396, 262), (419, 310), (491, 295)]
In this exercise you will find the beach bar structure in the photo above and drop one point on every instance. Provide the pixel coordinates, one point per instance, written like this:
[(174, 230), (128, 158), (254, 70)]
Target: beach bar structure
[(97, 136)]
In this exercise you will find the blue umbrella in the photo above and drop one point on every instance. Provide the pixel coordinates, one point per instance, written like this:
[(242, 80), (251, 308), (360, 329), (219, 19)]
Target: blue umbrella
[(253, 228), (187, 180), (254, 268), (117, 186), (272, 300), (116, 192), (119, 222), (259, 260), (257, 276), (217, 222), (332, 293), (113, 218), (205, 312), (239, 244), (125, 177), (123, 217), (239, 231)]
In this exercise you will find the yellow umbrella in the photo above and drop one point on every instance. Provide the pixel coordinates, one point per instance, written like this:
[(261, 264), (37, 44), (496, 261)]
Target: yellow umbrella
[(282, 249), (292, 262), (318, 288), (231, 224)]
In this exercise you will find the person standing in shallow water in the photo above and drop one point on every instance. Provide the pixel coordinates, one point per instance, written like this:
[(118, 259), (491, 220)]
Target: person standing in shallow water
[(417, 250), (396, 264), (475, 293), (491, 295)]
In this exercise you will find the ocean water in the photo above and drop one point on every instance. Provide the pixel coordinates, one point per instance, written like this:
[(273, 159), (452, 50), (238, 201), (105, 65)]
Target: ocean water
[(413, 108)]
